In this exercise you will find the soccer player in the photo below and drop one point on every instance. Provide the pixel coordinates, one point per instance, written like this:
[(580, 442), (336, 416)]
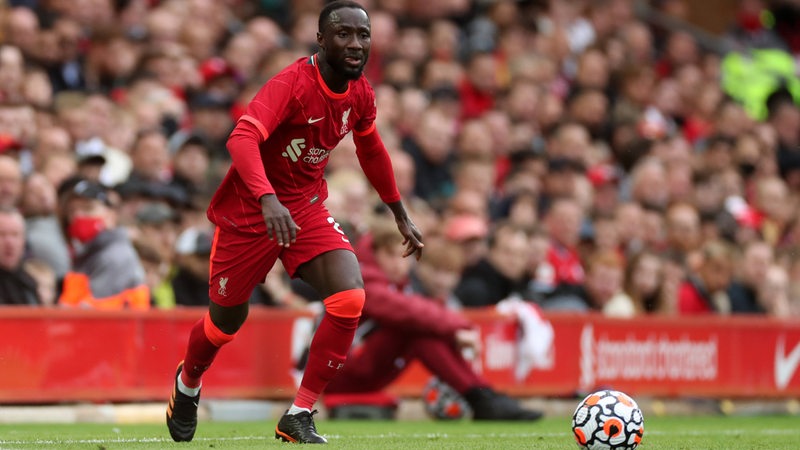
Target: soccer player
[(270, 206)]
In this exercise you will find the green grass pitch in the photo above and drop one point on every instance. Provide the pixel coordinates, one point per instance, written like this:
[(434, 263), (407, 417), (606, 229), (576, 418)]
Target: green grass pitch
[(674, 433)]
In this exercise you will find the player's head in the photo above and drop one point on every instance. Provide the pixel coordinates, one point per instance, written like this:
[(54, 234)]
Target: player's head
[(344, 37)]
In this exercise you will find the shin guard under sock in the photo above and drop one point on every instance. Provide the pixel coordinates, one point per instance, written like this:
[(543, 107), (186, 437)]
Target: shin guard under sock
[(205, 339), (330, 344)]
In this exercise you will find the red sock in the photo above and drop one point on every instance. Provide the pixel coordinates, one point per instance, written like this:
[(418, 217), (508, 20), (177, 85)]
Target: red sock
[(205, 339), (330, 344)]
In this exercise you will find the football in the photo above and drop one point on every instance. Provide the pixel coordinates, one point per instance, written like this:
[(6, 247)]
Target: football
[(608, 420), (443, 402)]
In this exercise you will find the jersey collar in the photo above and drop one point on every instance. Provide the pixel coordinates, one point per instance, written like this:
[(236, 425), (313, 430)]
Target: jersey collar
[(334, 95)]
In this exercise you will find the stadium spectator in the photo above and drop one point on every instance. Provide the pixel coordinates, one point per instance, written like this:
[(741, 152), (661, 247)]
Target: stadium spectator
[(10, 181), (191, 166), (563, 221), (12, 71), (22, 27), (601, 291), (157, 274), (45, 240), (212, 119), (784, 121), (400, 327), (17, 287), (643, 281), (559, 180), (478, 175), (190, 279), (58, 168), (751, 272), (648, 183), (773, 210), (150, 158), (90, 160), (45, 278), (470, 232), (431, 147), (683, 230), (106, 271), (705, 288), (159, 224), (503, 272), (477, 91), (49, 141), (773, 293), (66, 67), (436, 275)]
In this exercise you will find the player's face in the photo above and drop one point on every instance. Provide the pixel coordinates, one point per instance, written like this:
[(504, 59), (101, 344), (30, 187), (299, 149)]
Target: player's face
[(345, 41)]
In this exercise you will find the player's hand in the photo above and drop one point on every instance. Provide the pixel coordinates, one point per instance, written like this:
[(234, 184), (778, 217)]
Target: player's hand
[(280, 225), (412, 238), (470, 339)]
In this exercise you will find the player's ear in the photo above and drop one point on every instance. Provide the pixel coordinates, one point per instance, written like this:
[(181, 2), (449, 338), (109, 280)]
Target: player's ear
[(319, 38)]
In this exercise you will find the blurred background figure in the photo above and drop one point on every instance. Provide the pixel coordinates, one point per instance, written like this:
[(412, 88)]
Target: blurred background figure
[(45, 239), (705, 289), (106, 271), (17, 286), (190, 280), (399, 326), (500, 274), (10, 181)]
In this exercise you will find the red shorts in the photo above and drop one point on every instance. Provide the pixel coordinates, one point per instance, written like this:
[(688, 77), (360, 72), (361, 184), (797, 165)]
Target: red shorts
[(241, 261)]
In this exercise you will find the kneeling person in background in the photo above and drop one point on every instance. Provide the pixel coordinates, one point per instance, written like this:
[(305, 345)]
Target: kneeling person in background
[(398, 326)]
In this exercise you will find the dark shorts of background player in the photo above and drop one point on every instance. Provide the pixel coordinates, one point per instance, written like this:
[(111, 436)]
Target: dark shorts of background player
[(241, 261)]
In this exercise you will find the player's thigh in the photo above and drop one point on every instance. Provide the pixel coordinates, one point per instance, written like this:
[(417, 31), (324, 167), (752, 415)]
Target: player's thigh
[(238, 263), (322, 255)]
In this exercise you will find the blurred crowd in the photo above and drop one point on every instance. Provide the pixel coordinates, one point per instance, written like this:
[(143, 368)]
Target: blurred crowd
[(582, 155)]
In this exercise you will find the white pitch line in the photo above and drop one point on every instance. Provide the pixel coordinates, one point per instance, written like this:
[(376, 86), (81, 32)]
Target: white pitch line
[(124, 441), (766, 431)]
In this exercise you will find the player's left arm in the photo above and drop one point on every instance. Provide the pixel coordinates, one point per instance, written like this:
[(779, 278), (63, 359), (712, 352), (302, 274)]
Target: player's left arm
[(377, 166)]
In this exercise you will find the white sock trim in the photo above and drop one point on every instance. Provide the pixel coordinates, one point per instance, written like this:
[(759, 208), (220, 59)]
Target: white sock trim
[(294, 409), (186, 390)]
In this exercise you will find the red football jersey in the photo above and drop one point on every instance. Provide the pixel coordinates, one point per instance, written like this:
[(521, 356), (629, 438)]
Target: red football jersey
[(566, 264), (300, 121)]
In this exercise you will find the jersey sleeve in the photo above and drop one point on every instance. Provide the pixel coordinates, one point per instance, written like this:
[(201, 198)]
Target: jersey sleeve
[(372, 154), (243, 146), (376, 164), (369, 110), (272, 104)]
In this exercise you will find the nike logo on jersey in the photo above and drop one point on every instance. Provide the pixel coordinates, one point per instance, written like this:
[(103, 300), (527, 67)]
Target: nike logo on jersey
[(312, 120)]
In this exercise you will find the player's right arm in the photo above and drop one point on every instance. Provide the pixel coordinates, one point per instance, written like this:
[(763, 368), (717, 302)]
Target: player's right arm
[(271, 106), (243, 145)]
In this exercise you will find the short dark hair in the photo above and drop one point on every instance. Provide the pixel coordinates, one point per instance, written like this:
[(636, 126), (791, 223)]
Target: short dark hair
[(325, 14)]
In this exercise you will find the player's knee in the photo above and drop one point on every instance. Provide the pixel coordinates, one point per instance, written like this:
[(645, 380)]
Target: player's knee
[(346, 303), (216, 334)]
